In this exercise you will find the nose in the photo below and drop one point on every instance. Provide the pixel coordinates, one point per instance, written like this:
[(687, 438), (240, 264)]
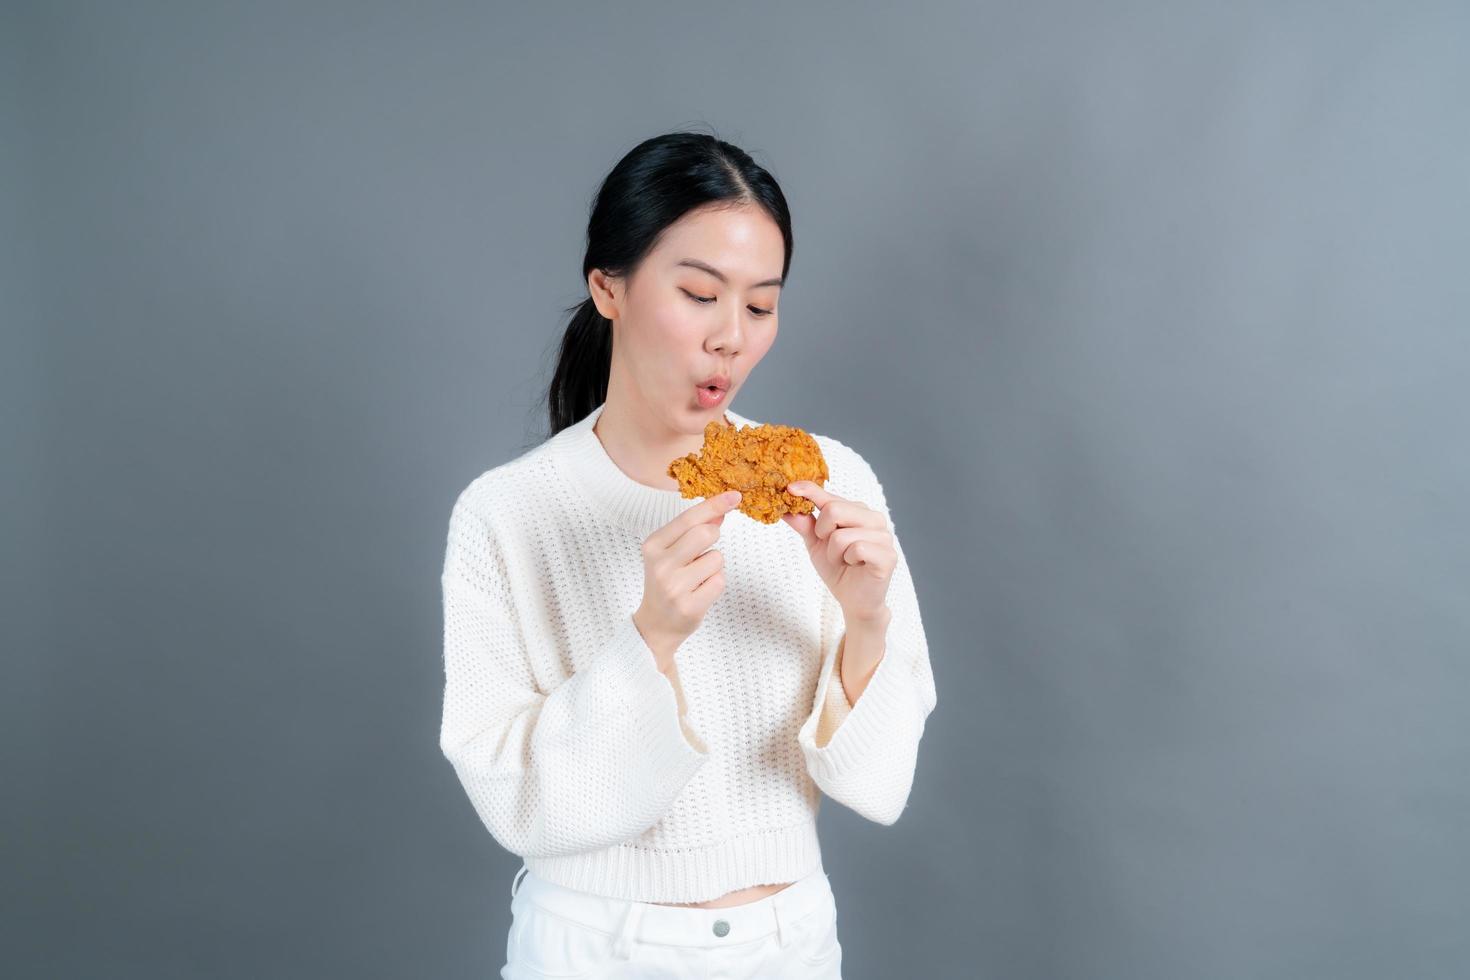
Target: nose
[(730, 338)]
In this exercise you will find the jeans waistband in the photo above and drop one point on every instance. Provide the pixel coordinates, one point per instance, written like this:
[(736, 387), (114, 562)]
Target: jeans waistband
[(671, 925)]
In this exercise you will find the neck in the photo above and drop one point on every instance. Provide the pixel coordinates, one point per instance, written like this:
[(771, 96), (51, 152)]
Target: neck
[(632, 504), (642, 443)]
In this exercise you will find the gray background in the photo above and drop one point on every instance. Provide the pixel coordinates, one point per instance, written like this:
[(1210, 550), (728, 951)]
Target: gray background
[(1151, 319)]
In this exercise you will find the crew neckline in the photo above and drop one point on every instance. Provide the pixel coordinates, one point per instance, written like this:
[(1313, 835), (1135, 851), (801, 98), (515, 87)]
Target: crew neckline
[(634, 506)]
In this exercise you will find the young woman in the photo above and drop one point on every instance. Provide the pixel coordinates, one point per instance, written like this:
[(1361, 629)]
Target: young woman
[(646, 719)]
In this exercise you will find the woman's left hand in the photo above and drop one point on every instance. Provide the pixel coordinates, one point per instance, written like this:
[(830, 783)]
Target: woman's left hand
[(850, 546)]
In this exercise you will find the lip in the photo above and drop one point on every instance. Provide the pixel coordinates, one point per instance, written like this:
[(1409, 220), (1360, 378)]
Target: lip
[(720, 381)]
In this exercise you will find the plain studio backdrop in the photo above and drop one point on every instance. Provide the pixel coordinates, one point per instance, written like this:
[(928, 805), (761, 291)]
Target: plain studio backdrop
[(1152, 318)]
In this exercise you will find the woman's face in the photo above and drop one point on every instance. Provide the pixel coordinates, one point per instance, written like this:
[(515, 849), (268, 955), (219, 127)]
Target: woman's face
[(702, 303)]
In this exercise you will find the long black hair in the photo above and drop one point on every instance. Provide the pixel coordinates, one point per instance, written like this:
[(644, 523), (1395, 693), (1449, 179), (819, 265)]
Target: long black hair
[(652, 186)]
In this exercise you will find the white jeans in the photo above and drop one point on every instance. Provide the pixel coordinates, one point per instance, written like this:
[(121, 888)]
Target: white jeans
[(573, 935)]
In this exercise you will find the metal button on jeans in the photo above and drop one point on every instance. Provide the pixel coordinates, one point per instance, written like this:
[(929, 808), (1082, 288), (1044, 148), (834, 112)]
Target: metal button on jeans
[(722, 928)]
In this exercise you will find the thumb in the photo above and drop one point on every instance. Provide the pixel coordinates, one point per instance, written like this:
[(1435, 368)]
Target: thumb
[(803, 524)]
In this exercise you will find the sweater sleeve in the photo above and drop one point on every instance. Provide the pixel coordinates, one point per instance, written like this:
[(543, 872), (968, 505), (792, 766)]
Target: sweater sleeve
[(835, 707), (863, 754), (594, 761)]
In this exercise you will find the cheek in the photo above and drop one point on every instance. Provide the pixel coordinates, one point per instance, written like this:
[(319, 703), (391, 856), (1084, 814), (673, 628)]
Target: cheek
[(761, 340), (675, 336), (672, 321), (666, 337)]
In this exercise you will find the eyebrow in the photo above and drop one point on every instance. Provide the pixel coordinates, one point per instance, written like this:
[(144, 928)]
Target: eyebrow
[(695, 263)]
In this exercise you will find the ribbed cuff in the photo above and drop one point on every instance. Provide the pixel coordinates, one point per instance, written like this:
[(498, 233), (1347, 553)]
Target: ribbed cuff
[(887, 707), (835, 706), (669, 757)]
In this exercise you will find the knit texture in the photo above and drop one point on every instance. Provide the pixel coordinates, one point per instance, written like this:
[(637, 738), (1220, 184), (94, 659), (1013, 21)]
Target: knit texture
[(602, 773)]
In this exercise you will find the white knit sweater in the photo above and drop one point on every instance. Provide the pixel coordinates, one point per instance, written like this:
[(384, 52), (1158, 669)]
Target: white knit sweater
[(607, 776)]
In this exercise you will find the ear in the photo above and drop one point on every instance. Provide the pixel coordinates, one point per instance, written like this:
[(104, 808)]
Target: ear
[(606, 292)]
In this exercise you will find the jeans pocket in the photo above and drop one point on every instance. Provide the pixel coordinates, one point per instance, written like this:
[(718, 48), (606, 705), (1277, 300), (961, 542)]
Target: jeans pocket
[(544, 945), (816, 942)]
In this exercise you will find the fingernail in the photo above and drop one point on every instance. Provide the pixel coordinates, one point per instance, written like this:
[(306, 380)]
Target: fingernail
[(733, 497)]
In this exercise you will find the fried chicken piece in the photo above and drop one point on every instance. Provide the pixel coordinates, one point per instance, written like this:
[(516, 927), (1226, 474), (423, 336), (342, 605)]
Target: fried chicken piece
[(758, 460)]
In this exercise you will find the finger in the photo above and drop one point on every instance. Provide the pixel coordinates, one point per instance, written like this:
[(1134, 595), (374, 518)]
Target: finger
[(694, 542), (803, 524), (843, 538), (862, 553), (871, 555), (846, 513), (835, 511), (811, 491), (840, 540), (710, 587), (699, 571), (706, 510)]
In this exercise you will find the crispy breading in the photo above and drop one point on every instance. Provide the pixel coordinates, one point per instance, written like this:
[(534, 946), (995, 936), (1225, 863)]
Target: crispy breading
[(758, 460)]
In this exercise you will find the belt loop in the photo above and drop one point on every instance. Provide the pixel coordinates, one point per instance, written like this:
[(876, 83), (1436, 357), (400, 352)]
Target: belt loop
[(515, 883), (783, 921), (623, 945)]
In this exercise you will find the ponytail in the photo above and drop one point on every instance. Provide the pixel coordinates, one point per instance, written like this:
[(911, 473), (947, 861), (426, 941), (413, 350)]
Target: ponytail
[(580, 382)]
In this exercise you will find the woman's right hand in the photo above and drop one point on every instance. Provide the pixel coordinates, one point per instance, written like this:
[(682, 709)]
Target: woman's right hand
[(681, 579)]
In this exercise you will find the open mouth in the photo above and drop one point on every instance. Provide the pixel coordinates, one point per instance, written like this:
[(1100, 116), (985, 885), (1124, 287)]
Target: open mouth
[(710, 395)]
